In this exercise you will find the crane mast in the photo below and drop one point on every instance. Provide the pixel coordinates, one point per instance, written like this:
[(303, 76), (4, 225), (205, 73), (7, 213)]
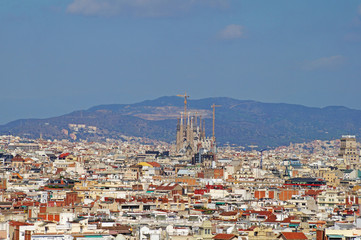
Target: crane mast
[(214, 117), (185, 102)]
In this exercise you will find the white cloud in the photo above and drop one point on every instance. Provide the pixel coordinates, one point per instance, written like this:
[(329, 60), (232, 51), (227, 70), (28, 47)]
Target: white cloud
[(142, 8), (324, 63), (232, 31)]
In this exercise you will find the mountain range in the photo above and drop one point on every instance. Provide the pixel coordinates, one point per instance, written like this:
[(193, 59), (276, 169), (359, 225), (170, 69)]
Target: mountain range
[(240, 122)]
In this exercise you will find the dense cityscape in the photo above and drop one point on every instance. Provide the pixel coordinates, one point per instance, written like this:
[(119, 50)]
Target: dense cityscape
[(146, 189), (180, 120)]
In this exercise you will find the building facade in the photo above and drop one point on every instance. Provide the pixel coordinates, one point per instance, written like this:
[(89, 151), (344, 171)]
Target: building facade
[(349, 152)]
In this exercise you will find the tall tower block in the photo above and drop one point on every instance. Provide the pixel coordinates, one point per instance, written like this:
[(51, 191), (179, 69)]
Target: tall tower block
[(349, 152)]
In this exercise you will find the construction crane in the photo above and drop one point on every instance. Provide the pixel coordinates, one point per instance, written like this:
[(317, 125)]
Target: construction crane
[(214, 117), (185, 102)]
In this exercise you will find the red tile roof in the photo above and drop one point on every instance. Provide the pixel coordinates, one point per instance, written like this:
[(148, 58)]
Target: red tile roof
[(294, 235), (154, 164), (17, 158), (223, 236), (289, 219), (271, 218), (64, 155), (233, 213), (17, 223)]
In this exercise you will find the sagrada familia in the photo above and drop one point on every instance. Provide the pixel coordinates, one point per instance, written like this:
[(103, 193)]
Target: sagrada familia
[(191, 135)]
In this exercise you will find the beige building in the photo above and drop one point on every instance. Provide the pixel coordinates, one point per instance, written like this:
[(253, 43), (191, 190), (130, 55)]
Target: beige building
[(262, 233), (348, 151), (332, 176), (331, 198)]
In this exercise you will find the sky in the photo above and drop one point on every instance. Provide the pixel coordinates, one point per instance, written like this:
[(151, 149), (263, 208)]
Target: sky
[(64, 55)]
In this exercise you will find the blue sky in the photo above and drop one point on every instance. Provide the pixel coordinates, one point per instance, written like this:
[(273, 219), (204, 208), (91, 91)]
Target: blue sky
[(63, 55)]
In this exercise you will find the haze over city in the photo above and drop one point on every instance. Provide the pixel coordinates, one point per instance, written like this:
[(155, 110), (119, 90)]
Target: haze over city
[(65, 55)]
